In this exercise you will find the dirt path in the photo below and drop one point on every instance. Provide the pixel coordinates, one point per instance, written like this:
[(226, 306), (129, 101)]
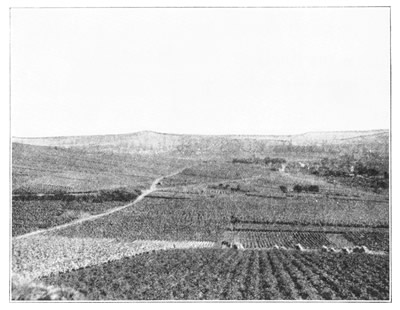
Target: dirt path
[(144, 193)]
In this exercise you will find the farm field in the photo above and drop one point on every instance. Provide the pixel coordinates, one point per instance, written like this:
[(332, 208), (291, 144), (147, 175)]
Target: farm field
[(206, 218), (30, 216), (215, 274), (39, 169), (42, 255), (376, 241), (256, 177), (206, 228)]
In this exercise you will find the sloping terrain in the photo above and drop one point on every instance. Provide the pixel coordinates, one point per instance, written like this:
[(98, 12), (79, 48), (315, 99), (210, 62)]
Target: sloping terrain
[(148, 142), (207, 223), (49, 168), (215, 274)]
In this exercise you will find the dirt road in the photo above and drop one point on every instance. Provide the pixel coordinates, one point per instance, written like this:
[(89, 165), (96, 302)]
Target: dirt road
[(144, 193)]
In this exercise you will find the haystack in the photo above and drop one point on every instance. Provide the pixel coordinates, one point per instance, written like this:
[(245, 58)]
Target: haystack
[(346, 250), (225, 244), (299, 247)]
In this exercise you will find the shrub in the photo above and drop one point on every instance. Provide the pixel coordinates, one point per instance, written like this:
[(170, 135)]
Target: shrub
[(234, 219), (313, 188), (119, 194), (277, 160), (283, 189), (298, 188), (306, 188)]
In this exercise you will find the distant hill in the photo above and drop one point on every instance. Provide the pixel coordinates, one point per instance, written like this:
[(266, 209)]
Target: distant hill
[(149, 142), (45, 168)]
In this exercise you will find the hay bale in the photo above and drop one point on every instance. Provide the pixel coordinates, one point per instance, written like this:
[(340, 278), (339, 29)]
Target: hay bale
[(359, 249), (225, 244), (237, 246), (299, 247), (365, 249), (324, 248), (346, 250)]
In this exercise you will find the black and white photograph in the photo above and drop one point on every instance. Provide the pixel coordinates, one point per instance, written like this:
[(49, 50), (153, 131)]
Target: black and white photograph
[(200, 154)]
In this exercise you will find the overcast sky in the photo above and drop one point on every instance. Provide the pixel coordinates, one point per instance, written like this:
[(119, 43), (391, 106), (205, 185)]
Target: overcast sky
[(205, 71)]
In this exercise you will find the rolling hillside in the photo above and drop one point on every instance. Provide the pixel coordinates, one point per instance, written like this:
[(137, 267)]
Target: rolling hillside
[(148, 142), (47, 168)]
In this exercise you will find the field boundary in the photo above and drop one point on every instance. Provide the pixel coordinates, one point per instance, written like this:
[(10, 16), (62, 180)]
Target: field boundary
[(325, 229), (152, 189), (336, 251)]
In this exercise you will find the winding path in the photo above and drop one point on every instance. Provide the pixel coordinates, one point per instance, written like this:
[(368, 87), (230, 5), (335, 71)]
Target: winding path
[(144, 193)]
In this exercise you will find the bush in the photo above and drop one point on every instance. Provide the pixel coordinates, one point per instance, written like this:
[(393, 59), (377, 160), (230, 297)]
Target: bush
[(306, 188), (313, 188), (101, 196), (234, 219), (277, 160), (283, 189), (298, 188)]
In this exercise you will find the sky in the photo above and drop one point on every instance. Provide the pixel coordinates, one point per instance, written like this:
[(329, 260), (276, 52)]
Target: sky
[(199, 71)]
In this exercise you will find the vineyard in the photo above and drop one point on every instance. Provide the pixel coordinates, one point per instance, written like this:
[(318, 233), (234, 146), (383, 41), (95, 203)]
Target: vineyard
[(213, 172), (28, 216), (206, 218), (260, 180), (377, 241), (45, 254), (39, 169), (216, 230), (232, 275)]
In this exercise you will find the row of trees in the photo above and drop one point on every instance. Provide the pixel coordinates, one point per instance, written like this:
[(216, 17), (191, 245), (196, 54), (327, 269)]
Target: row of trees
[(257, 160), (120, 194), (301, 188)]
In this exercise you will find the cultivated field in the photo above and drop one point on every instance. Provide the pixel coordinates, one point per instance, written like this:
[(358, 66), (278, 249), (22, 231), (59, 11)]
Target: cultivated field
[(156, 226), (227, 274)]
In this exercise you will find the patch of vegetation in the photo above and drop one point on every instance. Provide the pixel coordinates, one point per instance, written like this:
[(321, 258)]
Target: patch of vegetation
[(260, 161), (374, 241), (34, 290), (120, 194), (368, 170), (306, 188), (32, 212), (217, 274), (206, 218), (32, 215)]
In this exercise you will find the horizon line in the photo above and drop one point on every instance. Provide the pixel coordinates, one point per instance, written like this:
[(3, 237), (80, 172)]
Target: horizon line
[(196, 134)]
